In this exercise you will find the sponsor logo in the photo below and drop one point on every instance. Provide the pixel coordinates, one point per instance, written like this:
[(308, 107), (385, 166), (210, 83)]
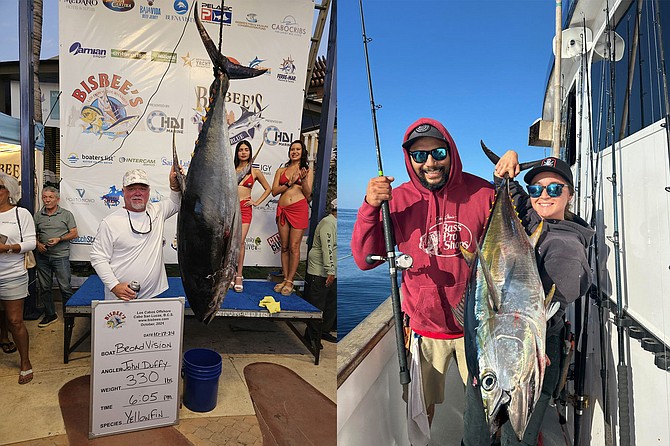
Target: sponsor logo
[(150, 11), (212, 14), (88, 159), (173, 245), (119, 5), (168, 162), (81, 199), (270, 206), (256, 63), (159, 122), (83, 240), (81, 5), (180, 7), (142, 161), (274, 242), (115, 319), (113, 197), (444, 238), (157, 197), (128, 54), (287, 69), (252, 243), (273, 136), (289, 26), (195, 62), (251, 21), (76, 48), (109, 105), (163, 56)]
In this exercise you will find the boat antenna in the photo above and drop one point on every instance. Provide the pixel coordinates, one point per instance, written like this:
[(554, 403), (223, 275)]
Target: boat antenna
[(389, 238), (619, 320)]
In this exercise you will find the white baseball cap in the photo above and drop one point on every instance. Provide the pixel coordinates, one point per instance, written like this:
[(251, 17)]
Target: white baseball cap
[(135, 176), (333, 204)]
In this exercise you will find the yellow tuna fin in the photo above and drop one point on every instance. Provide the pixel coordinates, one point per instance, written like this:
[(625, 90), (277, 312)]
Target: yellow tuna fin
[(535, 236), (469, 257), (550, 296)]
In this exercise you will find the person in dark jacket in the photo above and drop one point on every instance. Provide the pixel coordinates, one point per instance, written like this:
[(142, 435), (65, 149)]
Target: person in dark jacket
[(562, 261)]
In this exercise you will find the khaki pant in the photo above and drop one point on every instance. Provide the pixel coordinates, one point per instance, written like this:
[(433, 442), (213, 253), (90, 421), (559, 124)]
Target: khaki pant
[(436, 354)]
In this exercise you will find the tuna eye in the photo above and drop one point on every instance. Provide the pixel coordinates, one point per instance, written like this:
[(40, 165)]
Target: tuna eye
[(488, 381)]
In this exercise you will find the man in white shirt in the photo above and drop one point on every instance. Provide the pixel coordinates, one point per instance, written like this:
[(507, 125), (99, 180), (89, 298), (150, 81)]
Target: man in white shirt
[(129, 244)]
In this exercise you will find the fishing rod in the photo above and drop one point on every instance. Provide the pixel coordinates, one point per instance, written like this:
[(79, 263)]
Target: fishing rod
[(389, 238), (622, 368)]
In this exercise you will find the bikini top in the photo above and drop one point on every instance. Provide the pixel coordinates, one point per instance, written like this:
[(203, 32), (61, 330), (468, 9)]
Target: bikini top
[(248, 182), (283, 180)]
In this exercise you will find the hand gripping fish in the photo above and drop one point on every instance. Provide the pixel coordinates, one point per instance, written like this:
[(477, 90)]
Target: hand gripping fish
[(209, 229), (506, 313)]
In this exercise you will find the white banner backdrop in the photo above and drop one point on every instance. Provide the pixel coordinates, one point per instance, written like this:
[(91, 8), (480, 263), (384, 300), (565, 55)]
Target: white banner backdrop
[(134, 72)]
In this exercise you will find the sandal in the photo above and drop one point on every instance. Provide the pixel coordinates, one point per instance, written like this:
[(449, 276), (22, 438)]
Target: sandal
[(279, 286), (287, 290), (8, 347), (25, 376), (238, 288)]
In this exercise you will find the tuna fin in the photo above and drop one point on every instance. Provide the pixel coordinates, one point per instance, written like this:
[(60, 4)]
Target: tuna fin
[(535, 236), (221, 62), (459, 312), (550, 296), (175, 163), (469, 257), (495, 158), (494, 296), (553, 308)]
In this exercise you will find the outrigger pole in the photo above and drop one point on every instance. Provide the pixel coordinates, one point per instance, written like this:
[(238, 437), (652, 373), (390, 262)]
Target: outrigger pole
[(389, 238)]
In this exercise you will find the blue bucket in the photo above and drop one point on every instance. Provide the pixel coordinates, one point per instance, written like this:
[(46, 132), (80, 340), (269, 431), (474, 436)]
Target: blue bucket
[(201, 371)]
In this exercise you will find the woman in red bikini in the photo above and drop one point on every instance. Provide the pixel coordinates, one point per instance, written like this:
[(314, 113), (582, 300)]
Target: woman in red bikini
[(293, 184), (243, 159)]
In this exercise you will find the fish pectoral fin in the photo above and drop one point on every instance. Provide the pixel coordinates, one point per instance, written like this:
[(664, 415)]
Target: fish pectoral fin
[(236, 71), (469, 257), (535, 236), (493, 294), (459, 312), (181, 179), (550, 296), (553, 308)]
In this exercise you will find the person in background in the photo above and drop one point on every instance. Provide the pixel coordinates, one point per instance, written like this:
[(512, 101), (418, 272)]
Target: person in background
[(129, 243), (561, 260), (293, 184), (321, 280), (17, 236), (55, 228), (438, 209), (243, 160)]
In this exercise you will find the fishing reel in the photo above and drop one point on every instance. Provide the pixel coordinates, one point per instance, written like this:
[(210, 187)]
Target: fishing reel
[(402, 261)]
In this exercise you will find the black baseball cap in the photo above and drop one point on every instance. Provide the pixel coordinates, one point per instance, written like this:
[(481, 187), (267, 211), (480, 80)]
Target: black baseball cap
[(551, 164), (422, 131)]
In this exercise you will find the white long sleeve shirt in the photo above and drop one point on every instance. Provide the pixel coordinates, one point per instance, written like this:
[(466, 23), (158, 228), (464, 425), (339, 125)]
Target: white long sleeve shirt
[(120, 255)]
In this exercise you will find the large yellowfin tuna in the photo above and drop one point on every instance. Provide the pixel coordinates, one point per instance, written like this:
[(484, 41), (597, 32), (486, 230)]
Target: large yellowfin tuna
[(209, 227), (506, 317)]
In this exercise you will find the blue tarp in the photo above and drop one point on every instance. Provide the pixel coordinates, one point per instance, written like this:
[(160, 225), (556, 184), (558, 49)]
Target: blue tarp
[(10, 131)]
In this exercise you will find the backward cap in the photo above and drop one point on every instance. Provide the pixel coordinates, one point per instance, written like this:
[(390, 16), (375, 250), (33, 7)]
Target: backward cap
[(551, 164), (135, 176), (422, 130)]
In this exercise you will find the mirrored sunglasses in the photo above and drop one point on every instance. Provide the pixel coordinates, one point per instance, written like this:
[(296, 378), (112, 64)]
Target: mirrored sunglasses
[(553, 190), (421, 157)]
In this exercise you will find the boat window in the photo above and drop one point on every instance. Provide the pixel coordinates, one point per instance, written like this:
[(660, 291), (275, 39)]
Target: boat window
[(646, 103)]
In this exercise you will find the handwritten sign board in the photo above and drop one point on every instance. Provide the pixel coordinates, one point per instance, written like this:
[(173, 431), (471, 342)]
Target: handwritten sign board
[(136, 350)]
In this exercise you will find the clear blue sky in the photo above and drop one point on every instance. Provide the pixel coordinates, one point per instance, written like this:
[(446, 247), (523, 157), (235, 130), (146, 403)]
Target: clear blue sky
[(480, 67), (9, 24)]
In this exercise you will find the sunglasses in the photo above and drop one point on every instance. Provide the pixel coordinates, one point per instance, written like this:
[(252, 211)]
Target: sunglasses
[(421, 157), (151, 226), (553, 190)]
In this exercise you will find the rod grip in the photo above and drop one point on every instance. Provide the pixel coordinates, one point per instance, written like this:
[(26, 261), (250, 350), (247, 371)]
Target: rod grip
[(624, 405)]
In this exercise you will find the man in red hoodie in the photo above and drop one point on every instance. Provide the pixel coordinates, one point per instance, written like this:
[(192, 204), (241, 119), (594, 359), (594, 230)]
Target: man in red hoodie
[(440, 208)]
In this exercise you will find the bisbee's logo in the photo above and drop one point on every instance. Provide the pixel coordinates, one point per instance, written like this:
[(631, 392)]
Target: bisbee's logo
[(115, 319), (108, 103)]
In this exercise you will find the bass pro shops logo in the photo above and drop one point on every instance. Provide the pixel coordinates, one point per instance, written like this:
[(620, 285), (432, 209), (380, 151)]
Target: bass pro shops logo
[(109, 104), (444, 239)]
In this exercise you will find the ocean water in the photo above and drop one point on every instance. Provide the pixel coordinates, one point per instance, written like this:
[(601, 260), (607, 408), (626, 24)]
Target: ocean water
[(358, 292)]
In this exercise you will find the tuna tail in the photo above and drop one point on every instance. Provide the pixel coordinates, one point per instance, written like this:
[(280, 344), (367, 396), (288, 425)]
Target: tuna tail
[(181, 179), (495, 158), (221, 62)]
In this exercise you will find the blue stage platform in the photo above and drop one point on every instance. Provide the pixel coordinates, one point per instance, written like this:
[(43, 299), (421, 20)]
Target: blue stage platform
[(245, 304)]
